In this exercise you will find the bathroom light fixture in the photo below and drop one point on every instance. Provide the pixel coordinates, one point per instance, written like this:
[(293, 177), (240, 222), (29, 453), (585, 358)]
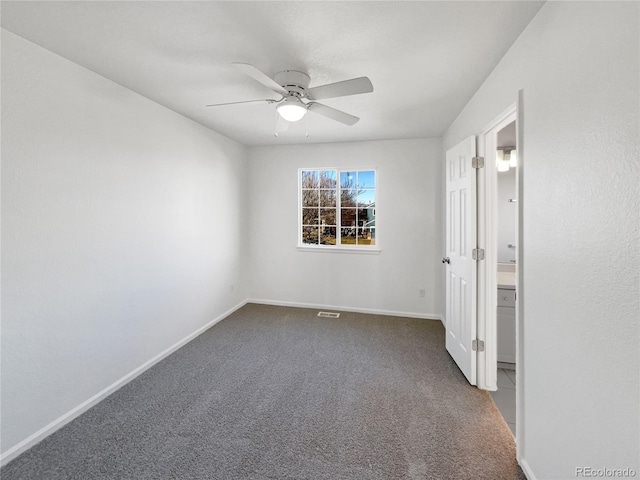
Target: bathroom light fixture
[(292, 109), (501, 162), (505, 158)]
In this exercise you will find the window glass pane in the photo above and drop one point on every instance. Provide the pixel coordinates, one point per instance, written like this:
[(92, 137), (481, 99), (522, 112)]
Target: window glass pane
[(366, 197), (348, 236), (309, 179), (327, 198), (366, 236), (366, 179), (347, 179), (309, 198), (367, 217), (309, 216), (327, 179), (348, 197), (328, 236), (348, 217), (310, 235), (328, 216)]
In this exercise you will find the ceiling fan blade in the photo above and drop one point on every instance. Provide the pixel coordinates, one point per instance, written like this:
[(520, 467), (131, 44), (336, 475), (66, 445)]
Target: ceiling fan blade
[(341, 89), (259, 76), (332, 113), (270, 100)]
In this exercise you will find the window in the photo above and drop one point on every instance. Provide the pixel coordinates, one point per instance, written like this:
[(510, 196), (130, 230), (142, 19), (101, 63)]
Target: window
[(337, 208)]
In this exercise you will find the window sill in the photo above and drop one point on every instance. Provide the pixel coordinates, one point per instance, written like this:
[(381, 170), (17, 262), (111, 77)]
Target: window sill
[(365, 251)]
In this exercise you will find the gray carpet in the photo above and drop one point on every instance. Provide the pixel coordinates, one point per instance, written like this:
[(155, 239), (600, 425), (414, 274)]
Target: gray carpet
[(278, 393)]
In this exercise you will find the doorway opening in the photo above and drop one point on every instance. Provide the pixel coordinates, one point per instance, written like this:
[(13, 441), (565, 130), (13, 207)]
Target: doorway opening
[(506, 160), (499, 207)]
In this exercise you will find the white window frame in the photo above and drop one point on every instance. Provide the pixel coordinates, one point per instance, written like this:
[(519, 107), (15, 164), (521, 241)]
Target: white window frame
[(338, 248)]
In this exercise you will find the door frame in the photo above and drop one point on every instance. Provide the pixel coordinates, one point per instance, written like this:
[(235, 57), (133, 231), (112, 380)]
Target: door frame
[(520, 266), (488, 240), (487, 277)]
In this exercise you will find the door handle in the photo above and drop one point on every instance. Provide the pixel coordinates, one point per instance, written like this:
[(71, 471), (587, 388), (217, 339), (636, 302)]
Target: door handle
[(446, 260)]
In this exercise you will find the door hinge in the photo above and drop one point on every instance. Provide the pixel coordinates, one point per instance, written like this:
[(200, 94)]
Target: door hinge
[(477, 253), (477, 345), (477, 162)]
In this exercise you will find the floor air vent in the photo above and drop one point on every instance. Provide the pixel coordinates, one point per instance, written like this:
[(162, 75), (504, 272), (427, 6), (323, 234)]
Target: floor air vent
[(329, 314)]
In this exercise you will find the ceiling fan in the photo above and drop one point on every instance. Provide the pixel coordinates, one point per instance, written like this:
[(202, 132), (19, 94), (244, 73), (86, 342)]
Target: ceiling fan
[(293, 86)]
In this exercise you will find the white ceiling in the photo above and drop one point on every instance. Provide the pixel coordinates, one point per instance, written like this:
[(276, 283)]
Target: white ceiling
[(425, 59), (507, 136)]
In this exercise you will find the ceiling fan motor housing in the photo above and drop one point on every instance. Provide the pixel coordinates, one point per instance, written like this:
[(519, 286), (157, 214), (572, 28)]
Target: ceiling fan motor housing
[(296, 83)]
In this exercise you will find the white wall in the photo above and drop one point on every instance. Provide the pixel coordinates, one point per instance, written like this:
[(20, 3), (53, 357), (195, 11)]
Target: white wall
[(506, 215), (577, 63), (122, 230), (409, 214)]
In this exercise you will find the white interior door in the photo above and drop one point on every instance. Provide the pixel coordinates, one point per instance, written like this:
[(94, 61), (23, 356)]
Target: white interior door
[(461, 268)]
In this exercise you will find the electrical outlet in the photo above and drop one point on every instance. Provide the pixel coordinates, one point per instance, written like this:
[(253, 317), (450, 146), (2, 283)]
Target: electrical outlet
[(422, 292), (231, 287)]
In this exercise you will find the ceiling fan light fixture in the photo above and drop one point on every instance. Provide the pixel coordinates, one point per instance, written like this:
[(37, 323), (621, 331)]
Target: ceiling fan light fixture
[(292, 109), (293, 86)]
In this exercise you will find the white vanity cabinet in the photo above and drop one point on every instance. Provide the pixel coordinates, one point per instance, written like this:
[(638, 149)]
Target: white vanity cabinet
[(506, 325)]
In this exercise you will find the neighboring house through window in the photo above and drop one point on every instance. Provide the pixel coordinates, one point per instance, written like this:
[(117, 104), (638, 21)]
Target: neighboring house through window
[(337, 208)]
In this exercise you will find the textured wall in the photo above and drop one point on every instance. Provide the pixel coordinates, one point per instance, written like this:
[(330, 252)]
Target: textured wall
[(409, 214), (121, 233), (577, 63)]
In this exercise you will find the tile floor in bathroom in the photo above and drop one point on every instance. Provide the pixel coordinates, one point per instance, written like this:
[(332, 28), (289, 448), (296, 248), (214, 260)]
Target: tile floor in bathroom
[(505, 397)]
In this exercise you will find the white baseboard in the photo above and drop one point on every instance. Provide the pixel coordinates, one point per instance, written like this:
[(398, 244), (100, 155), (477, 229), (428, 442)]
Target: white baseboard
[(526, 469), (47, 430), (507, 358), (373, 311)]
